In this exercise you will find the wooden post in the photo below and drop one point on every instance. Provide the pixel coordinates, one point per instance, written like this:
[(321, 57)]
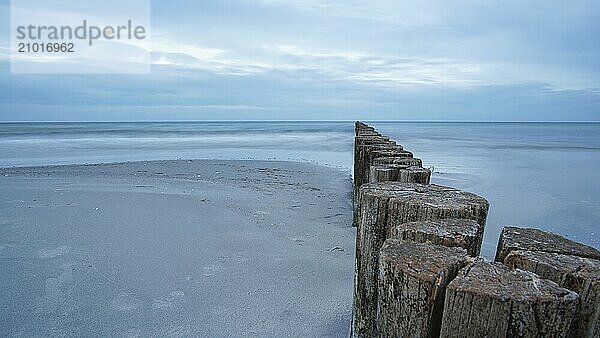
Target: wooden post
[(578, 274), (490, 300), (412, 284), (385, 205), (573, 265), (399, 173), (368, 140), (379, 152), (361, 141), (372, 139), (411, 161), (391, 153), (367, 133), (362, 160), (513, 238), (360, 127), (464, 233), (368, 156)]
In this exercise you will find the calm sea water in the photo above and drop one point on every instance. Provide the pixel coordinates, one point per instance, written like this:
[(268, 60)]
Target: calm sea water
[(545, 175)]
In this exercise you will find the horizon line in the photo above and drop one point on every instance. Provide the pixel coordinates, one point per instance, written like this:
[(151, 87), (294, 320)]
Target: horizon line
[(258, 120)]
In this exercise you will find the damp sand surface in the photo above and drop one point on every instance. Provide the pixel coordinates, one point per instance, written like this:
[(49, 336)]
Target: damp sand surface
[(176, 248)]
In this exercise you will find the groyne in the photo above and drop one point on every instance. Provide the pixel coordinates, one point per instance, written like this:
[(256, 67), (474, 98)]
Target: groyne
[(418, 273)]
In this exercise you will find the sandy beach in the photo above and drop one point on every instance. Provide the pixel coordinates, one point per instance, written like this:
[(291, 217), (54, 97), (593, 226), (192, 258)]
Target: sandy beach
[(176, 248)]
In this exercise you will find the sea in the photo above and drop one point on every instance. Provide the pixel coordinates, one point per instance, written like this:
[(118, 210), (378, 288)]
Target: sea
[(538, 174)]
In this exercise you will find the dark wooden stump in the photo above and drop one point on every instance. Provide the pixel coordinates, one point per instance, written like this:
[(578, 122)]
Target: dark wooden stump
[(464, 233), (360, 126), (367, 133), (378, 152), (578, 274), (398, 160), (362, 163), (490, 300), (412, 284), (361, 141), (513, 238), (390, 153), (365, 154), (385, 205), (372, 139), (399, 173)]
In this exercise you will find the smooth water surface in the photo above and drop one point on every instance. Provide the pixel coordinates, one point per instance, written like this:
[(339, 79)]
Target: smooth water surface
[(544, 175)]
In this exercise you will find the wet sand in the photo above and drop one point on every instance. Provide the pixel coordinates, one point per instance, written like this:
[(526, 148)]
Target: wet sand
[(176, 248)]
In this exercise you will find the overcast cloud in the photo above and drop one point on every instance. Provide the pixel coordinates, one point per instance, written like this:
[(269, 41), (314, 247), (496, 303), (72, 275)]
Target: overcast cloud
[(310, 59)]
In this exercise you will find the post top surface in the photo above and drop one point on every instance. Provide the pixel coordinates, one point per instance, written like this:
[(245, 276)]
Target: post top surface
[(421, 260), (495, 280), (514, 238)]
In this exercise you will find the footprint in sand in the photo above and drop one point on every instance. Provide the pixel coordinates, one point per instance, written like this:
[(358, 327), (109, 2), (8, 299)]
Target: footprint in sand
[(169, 301), (126, 302), (260, 213), (52, 253), (210, 270)]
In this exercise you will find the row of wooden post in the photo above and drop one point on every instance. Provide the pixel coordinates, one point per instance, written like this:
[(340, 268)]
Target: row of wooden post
[(417, 268)]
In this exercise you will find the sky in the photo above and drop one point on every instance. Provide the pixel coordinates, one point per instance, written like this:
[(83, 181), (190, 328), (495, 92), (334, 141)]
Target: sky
[(336, 60)]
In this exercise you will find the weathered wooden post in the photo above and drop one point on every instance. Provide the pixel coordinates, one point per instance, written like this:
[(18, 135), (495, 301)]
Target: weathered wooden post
[(513, 238), (367, 140), (412, 238), (390, 153), (372, 139), (362, 127), (464, 233), (385, 205), (578, 274), (368, 132), (360, 141), (368, 145), (571, 265), (377, 151), (412, 283), (411, 161), (399, 173), (363, 158), (490, 300)]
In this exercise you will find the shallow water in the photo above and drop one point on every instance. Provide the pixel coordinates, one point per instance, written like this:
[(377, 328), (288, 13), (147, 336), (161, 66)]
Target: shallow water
[(543, 175), (534, 174), (66, 143)]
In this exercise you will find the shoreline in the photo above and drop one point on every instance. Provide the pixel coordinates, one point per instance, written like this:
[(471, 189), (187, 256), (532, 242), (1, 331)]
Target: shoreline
[(341, 168), (91, 164)]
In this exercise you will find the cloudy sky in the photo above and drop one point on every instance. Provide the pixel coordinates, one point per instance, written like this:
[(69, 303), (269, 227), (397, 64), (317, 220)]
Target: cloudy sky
[(312, 59)]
